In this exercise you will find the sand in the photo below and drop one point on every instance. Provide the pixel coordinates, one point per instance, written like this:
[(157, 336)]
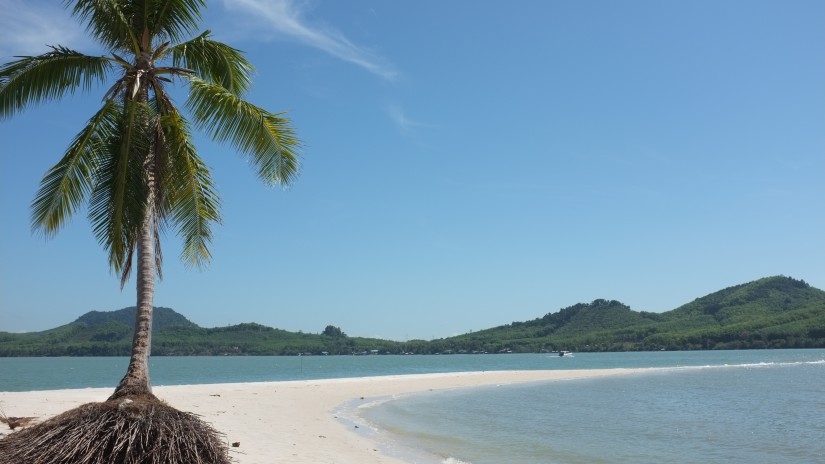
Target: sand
[(292, 421)]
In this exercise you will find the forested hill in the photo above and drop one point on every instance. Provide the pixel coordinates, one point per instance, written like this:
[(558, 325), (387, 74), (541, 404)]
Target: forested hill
[(774, 312), (161, 318)]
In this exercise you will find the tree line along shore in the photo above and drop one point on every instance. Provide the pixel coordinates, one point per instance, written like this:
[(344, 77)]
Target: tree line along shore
[(773, 312)]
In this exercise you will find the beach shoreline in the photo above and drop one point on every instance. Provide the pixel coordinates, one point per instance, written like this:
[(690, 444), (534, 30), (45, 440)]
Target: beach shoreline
[(292, 421)]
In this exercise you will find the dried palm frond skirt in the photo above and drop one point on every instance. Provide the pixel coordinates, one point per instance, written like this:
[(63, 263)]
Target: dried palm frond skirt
[(125, 431)]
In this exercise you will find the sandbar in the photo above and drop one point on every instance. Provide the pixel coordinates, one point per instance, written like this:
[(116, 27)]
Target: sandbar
[(290, 421)]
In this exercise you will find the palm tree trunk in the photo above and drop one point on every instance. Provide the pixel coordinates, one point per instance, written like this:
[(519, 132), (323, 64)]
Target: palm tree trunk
[(136, 381)]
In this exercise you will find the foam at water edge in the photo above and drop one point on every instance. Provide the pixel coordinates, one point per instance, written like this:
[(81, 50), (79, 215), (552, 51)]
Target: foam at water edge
[(745, 365), (452, 460)]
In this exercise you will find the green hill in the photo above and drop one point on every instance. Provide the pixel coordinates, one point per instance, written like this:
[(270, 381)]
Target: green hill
[(161, 318), (774, 312), (101, 333)]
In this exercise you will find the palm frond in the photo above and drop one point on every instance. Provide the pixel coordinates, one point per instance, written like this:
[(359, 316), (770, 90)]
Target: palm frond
[(126, 268), (156, 166), (157, 225), (161, 102), (214, 62), (67, 184), (192, 198), (120, 195), (160, 51), (112, 22), (173, 19), (33, 79), (267, 139)]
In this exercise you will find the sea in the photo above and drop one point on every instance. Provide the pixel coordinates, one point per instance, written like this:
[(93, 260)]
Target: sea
[(751, 406)]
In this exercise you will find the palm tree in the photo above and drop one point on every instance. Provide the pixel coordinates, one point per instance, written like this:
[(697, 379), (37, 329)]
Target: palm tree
[(134, 162)]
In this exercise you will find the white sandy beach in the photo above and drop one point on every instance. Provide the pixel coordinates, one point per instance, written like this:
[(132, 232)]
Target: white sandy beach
[(291, 421)]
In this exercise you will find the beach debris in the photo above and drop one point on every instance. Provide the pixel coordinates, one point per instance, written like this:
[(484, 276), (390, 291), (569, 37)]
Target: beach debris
[(16, 422), (321, 436), (236, 444), (216, 395)]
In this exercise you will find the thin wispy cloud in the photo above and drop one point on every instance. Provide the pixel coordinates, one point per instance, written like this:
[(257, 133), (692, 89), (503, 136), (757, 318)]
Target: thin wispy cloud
[(406, 125), (28, 27), (287, 18)]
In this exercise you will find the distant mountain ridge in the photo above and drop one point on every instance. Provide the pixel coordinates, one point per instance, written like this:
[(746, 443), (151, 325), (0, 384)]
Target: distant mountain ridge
[(773, 312)]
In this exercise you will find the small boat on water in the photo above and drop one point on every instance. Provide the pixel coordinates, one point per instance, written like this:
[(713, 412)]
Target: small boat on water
[(568, 354)]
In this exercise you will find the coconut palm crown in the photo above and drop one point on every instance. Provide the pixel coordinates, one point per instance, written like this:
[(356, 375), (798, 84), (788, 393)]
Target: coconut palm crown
[(134, 164)]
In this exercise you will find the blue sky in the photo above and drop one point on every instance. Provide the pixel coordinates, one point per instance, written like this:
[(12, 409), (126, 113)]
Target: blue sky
[(466, 164)]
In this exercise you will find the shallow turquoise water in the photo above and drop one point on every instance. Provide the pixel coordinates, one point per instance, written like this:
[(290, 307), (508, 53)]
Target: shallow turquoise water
[(755, 412), (23, 374)]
